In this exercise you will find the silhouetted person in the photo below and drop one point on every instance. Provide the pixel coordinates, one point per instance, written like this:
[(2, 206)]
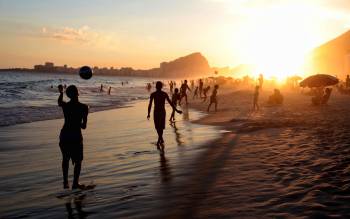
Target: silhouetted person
[(326, 95), (149, 87), (159, 113), (183, 91), (174, 99), (347, 81), (109, 90), (195, 94), (200, 87), (71, 139), (261, 81), (101, 88), (171, 86), (213, 98), (256, 98), (276, 98), (205, 91)]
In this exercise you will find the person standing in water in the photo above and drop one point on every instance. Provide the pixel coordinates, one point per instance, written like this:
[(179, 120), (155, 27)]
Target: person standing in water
[(109, 90), (213, 98), (174, 99), (183, 91), (71, 139), (159, 112), (256, 98)]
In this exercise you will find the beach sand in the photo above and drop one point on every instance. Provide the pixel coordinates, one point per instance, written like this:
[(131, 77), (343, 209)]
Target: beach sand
[(290, 161)]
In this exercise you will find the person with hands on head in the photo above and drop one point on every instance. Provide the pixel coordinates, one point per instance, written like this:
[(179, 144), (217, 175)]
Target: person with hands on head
[(159, 112)]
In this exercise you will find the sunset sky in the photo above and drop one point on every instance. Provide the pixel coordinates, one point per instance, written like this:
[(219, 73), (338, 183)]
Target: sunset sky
[(142, 33)]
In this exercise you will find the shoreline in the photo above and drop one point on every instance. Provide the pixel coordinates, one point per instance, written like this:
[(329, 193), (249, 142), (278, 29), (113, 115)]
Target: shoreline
[(120, 156)]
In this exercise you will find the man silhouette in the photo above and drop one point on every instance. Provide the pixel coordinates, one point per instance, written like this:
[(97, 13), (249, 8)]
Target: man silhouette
[(71, 139), (159, 112), (183, 91)]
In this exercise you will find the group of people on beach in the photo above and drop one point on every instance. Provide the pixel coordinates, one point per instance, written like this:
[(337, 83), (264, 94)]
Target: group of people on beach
[(76, 114)]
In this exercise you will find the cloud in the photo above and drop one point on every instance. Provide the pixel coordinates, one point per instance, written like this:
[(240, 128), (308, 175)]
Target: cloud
[(82, 34)]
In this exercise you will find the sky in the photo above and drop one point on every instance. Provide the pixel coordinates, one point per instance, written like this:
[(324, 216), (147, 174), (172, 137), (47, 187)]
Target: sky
[(143, 33)]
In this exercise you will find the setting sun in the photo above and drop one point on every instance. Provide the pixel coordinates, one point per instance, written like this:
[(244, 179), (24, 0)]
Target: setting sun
[(276, 40)]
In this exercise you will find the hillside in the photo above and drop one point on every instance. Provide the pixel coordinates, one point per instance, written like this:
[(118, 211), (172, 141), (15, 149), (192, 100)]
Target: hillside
[(191, 65), (333, 57)]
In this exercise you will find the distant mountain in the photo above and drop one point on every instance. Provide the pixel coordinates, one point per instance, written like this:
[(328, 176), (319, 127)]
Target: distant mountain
[(191, 65), (333, 57)]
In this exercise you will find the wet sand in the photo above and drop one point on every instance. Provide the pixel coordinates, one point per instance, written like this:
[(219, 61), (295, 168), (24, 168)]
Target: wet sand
[(120, 157), (290, 161)]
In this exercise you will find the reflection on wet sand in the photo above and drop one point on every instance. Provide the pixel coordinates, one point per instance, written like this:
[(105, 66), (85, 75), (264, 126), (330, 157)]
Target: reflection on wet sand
[(78, 207), (178, 136), (185, 114), (165, 170)]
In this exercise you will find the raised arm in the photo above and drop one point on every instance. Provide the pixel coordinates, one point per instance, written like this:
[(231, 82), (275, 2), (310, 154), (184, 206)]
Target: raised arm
[(150, 105), (60, 97)]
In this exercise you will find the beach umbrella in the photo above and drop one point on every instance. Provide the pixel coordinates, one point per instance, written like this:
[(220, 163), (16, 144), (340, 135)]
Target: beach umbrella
[(319, 80)]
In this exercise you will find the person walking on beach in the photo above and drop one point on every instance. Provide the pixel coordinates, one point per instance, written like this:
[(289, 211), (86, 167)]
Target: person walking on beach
[(200, 88), (261, 80), (71, 139), (174, 99), (159, 112), (109, 90), (192, 84), (213, 98), (195, 95), (171, 86), (183, 91), (256, 98), (101, 88), (205, 91)]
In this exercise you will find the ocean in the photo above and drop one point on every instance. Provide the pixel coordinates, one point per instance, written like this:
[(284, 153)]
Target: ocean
[(27, 97)]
